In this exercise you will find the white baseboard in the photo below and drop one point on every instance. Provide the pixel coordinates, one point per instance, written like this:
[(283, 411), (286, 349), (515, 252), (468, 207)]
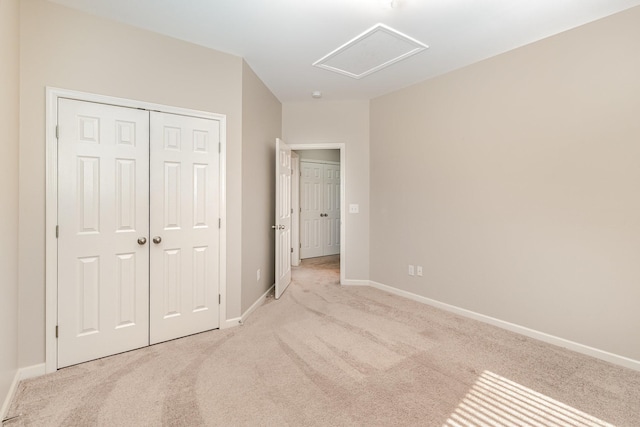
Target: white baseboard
[(231, 323), (32, 371), (9, 396), (256, 304), (532, 333), (21, 374), (237, 321)]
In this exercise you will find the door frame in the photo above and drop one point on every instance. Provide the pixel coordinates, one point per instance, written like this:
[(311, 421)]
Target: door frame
[(343, 185), (51, 202)]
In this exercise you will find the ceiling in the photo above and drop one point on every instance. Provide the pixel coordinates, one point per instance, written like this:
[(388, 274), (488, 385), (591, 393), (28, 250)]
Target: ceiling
[(281, 39)]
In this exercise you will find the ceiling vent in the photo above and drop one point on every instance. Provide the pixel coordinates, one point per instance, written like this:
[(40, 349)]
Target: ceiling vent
[(373, 50)]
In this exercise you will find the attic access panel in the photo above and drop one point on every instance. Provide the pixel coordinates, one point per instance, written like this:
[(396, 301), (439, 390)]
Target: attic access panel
[(375, 49)]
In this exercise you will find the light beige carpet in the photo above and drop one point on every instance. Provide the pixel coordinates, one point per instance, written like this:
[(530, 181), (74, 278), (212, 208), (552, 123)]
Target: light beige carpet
[(329, 355)]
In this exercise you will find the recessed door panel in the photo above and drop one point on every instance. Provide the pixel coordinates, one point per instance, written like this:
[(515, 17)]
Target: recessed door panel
[(172, 292), (103, 209), (88, 295), (126, 289), (89, 194), (200, 192), (172, 199), (200, 279), (126, 195)]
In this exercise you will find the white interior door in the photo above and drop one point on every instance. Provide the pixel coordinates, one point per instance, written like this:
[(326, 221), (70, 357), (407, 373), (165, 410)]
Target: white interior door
[(184, 287), (331, 211), (103, 216), (311, 216), (283, 217), (320, 204)]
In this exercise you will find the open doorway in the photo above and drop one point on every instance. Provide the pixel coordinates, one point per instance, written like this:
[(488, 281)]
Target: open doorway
[(318, 200)]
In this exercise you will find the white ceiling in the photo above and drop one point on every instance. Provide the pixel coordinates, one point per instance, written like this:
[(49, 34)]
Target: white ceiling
[(281, 39)]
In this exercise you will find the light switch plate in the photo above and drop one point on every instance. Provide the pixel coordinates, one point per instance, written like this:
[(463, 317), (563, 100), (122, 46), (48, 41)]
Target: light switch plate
[(354, 208)]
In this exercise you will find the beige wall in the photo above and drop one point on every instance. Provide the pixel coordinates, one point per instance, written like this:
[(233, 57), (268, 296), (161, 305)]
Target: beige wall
[(9, 106), (346, 122), (514, 182), (261, 125), (72, 50)]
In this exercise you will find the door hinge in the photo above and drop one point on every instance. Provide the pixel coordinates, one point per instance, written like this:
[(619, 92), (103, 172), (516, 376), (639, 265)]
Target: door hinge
[(219, 147), (291, 250), (57, 132), (219, 299), (291, 210), (56, 331), (57, 231), (219, 222), (300, 245)]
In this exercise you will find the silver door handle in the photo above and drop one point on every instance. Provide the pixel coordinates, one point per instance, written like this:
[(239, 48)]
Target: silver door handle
[(142, 241), (278, 227), (157, 240)]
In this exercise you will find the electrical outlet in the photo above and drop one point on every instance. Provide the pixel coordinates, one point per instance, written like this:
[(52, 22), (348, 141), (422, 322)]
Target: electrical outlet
[(258, 275), (419, 270), (411, 272)]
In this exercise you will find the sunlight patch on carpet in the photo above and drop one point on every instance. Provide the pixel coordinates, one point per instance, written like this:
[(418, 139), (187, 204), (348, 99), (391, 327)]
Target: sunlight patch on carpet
[(495, 401)]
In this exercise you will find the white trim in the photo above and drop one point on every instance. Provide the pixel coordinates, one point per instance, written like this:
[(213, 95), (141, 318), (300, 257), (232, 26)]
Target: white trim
[(31, 371), (237, 321), (532, 333), (21, 374), (256, 304), (9, 397), (51, 209), (343, 196), (231, 323)]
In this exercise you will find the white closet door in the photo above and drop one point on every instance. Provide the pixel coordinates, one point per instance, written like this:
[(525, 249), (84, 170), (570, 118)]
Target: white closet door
[(311, 221), (103, 217), (184, 249), (331, 202)]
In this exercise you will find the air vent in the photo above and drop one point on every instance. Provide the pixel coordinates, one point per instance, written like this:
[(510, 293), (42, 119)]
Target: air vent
[(373, 50)]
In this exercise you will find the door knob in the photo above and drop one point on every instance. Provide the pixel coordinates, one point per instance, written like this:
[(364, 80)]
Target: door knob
[(157, 239), (142, 241)]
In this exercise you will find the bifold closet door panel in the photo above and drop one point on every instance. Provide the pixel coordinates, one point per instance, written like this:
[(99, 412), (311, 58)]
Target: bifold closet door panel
[(103, 220), (184, 200)]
